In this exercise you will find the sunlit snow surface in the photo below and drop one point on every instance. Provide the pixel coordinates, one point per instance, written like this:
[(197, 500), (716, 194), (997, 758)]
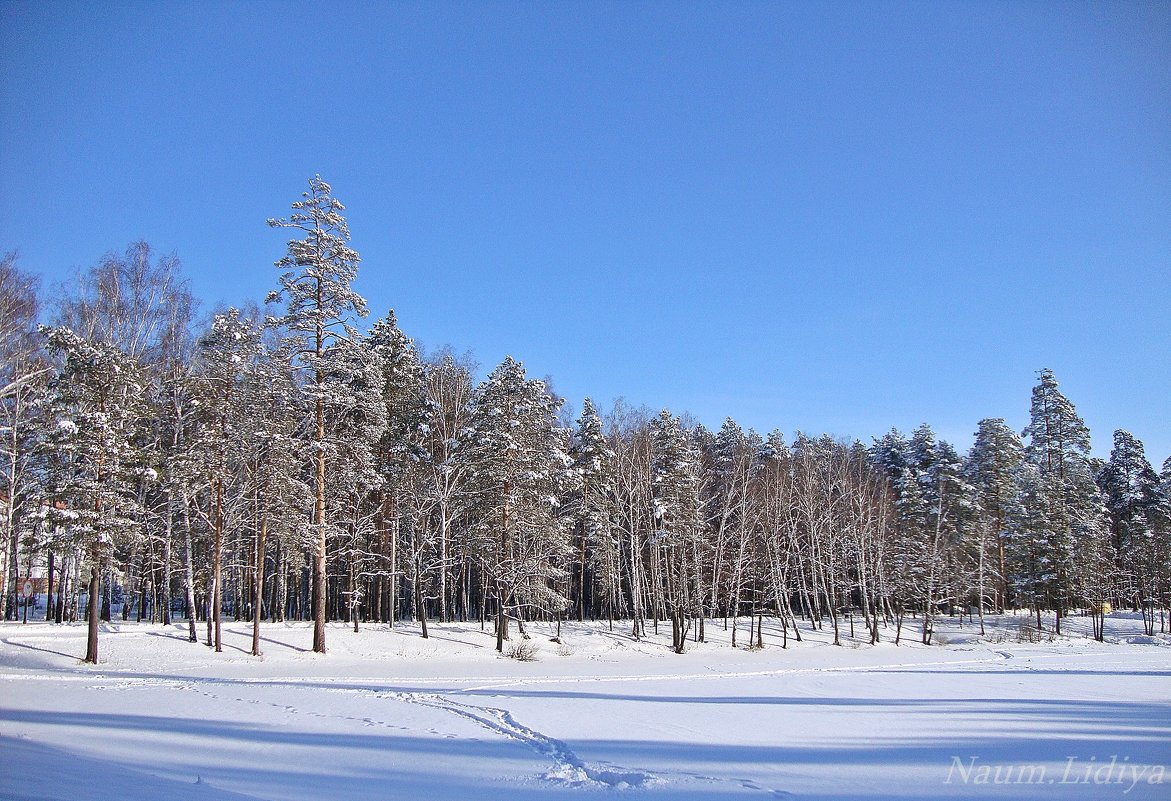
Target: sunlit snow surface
[(388, 715)]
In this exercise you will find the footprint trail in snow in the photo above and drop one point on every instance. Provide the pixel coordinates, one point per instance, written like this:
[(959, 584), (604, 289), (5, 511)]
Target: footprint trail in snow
[(567, 768)]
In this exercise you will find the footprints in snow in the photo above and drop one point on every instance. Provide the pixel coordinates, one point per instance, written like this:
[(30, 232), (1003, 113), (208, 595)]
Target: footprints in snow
[(567, 768)]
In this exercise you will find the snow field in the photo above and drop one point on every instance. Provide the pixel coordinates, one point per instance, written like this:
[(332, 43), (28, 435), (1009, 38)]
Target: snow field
[(388, 715)]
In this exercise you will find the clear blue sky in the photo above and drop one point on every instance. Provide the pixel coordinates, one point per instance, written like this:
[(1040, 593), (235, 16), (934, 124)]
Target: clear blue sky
[(836, 217)]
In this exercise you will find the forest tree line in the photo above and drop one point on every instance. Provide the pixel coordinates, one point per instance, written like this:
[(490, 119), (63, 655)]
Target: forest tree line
[(279, 463)]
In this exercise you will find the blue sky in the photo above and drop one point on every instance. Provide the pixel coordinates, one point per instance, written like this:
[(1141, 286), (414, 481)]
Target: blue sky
[(834, 217)]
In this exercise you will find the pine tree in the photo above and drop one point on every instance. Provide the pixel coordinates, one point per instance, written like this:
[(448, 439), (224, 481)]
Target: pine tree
[(1058, 448), (992, 469), (94, 477), (592, 501), (356, 413), (930, 556), (948, 510), (403, 465), (1138, 516), (1059, 441), (319, 269), (908, 557), (519, 463)]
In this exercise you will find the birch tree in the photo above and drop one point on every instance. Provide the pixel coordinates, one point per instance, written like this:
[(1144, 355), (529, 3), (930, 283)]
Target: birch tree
[(23, 373)]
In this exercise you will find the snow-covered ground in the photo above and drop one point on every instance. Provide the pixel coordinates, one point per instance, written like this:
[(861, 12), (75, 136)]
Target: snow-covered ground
[(388, 715)]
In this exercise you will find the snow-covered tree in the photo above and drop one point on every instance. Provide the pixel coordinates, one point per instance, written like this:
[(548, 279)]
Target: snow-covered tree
[(278, 490), (356, 413), (519, 457), (992, 469), (630, 437), (228, 353), (319, 269), (591, 500), (94, 476), (23, 373), (1139, 515), (675, 473), (950, 512), (1064, 485), (730, 520), (141, 304), (402, 463), (929, 560), (908, 554), (1059, 441), (447, 466)]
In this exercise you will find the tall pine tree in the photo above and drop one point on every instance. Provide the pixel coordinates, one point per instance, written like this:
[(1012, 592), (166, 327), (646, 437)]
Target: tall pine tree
[(319, 269), (1074, 526)]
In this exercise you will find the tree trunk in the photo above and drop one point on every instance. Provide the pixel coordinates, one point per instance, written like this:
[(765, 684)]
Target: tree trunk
[(107, 588), (420, 608), (444, 612), (217, 565), (188, 575), (258, 585), (319, 588), (394, 577), (91, 645), (581, 577), (62, 587), (49, 588), (501, 619)]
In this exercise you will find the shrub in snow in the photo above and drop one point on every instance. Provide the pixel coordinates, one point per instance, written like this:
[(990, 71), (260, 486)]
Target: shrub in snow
[(522, 651)]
